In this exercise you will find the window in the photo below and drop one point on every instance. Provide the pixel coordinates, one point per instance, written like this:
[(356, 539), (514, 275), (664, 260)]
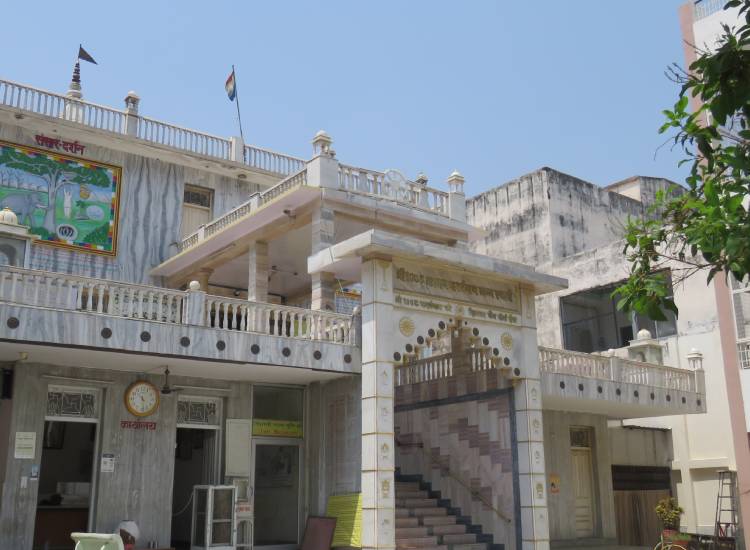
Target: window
[(741, 303), (591, 321), (197, 208)]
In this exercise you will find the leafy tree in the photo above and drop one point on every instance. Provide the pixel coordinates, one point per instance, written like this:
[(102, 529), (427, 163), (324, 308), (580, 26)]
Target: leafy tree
[(705, 227), (55, 174)]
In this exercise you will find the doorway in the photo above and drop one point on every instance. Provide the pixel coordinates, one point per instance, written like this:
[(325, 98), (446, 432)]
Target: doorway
[(583, 481), (65, 483), (276, 482), (195, 463)]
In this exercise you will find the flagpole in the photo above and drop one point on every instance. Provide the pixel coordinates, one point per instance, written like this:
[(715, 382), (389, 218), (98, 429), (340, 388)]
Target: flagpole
[(237, 100)]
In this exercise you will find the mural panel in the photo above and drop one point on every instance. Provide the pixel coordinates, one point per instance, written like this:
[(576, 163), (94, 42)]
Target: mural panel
[(66, 201)]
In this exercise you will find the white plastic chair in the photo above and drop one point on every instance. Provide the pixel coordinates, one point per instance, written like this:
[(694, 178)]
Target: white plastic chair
[(97, 541)]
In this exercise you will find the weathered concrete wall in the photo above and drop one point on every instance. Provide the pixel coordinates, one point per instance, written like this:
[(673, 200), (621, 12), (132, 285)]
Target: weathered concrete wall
[(516, 218), (547, 215), (150, 212), (557, 426), (459, 432), (334, 456)]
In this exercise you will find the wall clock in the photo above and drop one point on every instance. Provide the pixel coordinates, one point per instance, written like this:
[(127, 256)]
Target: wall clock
[(142, 398)]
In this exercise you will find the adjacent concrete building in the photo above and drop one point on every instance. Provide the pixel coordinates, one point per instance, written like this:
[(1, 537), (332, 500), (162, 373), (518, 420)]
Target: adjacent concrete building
[(573, 229)]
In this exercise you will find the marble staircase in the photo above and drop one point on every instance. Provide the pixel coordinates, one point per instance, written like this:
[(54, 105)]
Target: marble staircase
[(424, 521)]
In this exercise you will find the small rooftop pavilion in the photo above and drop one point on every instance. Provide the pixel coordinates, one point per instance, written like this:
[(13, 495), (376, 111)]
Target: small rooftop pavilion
[(259, 250)]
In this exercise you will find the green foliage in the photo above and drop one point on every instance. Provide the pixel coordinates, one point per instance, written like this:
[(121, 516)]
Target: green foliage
[(669, 512), (100, 235), (53, 171), (705, 227)]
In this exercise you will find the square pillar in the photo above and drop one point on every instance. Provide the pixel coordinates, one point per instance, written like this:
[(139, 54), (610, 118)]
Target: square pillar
[(378, 446), (323, 228), (530, 448), (257, 278), (323, 291)]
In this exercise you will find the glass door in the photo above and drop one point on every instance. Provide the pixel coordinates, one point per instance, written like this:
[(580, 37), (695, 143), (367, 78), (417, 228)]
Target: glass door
[(276, 489)]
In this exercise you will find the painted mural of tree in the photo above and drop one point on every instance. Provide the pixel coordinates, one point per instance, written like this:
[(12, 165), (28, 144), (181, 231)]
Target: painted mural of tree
[(55, 174)]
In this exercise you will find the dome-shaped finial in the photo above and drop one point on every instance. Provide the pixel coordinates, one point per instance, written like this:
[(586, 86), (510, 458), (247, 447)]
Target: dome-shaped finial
[(7, 216), (643, 334)]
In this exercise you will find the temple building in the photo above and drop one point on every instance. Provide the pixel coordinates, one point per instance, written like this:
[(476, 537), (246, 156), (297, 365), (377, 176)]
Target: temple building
[(217, 342)]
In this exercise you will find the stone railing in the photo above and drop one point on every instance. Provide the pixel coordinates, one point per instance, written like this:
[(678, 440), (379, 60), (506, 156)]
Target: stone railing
[(373, 183), (271, 161), (61, 291), (245, 209), (60, 106), (616, 369), (557, 361), (54, 105), (292, 322), (442, 366), (183, 138)]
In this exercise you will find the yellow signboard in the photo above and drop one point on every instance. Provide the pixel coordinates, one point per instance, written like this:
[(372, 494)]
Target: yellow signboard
[(347, 509), (277, 428)]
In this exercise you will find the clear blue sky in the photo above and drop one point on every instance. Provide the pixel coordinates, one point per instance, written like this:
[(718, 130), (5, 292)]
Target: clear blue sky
[(495, 89)]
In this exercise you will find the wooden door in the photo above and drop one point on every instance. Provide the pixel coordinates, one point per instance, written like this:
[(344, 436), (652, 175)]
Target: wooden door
[(583, 488)]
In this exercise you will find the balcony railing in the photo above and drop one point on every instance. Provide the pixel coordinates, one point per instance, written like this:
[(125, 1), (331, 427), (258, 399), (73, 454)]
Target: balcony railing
[(442, 366), (245, 209), (69, 292), (373, 183), (616, 369), (556, 361), (100, 117)]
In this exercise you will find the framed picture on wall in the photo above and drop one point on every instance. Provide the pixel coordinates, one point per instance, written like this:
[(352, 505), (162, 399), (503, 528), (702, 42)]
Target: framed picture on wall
[(66, 201)]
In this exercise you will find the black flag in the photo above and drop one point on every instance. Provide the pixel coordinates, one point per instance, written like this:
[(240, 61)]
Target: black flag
[(84, 55)]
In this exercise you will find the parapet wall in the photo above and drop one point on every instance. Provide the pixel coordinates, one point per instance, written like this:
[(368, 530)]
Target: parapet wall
[(546, 215)]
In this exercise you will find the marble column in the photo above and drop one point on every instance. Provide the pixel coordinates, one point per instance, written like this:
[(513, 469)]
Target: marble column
[(202, 276), (378, 446), (530, 440), (323, 291), (257, 277)]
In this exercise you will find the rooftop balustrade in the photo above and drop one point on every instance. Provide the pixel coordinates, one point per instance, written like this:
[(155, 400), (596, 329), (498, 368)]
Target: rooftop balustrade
[(128, 122)]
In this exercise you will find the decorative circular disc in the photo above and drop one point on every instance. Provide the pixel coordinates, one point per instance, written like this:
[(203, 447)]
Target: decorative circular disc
[(406, 326), (506, 340)]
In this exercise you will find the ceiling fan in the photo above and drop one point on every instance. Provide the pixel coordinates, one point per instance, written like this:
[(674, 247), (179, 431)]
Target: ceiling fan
[(166, 388)]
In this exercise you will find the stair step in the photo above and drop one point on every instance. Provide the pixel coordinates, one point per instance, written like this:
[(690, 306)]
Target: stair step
[(412, 494), (417, 542), (407, 486), (449, 529), (412, 532), (416, 502), (437, 520), (433, 511), (406, 522), (475, 546), (402, 513), (464, 538)]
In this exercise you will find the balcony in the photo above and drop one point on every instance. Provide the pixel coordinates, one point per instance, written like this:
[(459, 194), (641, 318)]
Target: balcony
[(581, 382), (56, 309), (619, 387)]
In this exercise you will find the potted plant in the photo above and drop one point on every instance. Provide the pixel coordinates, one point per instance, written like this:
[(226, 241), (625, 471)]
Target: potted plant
[(669, 512)]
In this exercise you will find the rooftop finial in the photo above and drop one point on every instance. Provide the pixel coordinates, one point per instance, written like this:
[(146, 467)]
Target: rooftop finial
[(75, 83)]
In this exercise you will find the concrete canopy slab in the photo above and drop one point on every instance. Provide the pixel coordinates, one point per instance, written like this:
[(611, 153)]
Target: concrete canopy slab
[(345, 258)]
